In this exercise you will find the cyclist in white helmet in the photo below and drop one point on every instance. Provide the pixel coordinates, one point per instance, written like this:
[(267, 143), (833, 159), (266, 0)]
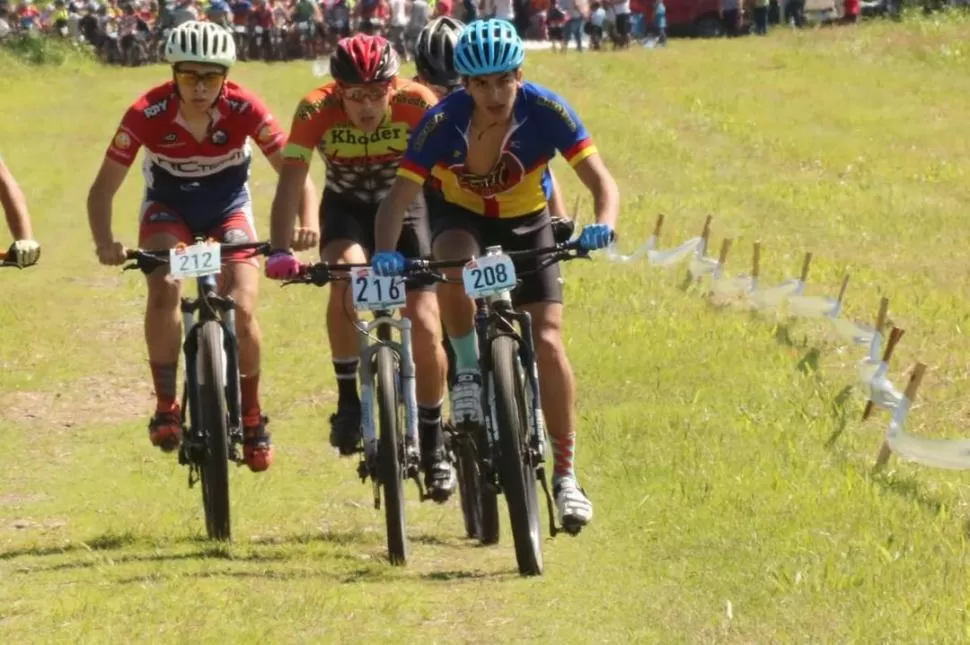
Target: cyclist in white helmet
[(195, 130)]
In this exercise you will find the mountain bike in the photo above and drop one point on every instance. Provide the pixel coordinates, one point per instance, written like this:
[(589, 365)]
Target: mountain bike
[(512, 460), (479, 502), (387, 378), (211, 388)]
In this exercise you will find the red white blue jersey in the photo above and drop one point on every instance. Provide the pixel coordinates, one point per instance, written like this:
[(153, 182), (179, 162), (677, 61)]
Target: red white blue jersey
[(201, 181)]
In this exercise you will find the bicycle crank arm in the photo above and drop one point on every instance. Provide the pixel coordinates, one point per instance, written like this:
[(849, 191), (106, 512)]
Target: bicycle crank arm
[(550, 506)]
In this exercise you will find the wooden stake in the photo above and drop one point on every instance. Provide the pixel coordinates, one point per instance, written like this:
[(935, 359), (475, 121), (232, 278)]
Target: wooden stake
[(894, 337), (725, 247), (706, 234), (805, 266), (756, 260), (659, 225), (881, 316), (914, 382), (845, 285)]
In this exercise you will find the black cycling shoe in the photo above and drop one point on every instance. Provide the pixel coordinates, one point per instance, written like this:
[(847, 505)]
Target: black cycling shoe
[(439, 476), (345, 429)]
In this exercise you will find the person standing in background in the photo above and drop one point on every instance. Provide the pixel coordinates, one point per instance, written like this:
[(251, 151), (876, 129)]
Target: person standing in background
[(730, 15), (575, 15), (660, 22), (621, 15), (555, 19), (597, 16), (761, 17)]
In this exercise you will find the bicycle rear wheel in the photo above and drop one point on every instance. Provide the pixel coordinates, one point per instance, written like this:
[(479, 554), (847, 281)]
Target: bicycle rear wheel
[(210, 374), (390, 452), (515, 463), (469, 483)]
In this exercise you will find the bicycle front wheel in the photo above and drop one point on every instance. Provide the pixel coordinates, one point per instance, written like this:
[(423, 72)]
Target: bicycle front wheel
[(515, 463), (210, 374), (390, 452)]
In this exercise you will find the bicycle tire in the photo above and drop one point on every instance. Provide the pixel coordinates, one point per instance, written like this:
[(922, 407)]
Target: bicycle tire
[(490, 521), (213, 416), (469, 485), (518, 476), (389, 454)]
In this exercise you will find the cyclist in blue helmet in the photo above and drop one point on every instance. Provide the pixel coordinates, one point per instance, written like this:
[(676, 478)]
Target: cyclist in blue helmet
[(486, 151)]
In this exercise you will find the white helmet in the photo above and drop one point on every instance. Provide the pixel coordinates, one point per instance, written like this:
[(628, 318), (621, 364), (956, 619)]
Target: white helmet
[(200, 42)]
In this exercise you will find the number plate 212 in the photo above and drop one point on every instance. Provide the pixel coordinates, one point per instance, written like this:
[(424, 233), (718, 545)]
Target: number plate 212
[(195, 261), (488, 275)]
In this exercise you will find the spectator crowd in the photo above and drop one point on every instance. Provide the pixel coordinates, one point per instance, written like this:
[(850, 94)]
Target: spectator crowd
[(130, 32)]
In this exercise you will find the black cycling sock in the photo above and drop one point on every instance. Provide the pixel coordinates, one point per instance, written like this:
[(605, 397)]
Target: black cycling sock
[(346, 371), (429, 429)]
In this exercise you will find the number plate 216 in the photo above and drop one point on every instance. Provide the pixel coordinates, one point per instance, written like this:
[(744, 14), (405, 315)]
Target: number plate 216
[(371, 291), (488, 275)]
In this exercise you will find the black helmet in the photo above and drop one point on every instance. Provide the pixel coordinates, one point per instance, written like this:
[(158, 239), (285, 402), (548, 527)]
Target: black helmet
[(434, 51)]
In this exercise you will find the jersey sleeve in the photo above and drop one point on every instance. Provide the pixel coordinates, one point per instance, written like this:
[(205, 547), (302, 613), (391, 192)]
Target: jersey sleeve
[(564, 128), (128, 138), (263, 127), (306, 131), (424, 147)]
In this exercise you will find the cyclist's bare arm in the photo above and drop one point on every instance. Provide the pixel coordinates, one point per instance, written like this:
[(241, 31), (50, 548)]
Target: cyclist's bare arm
[(606, 195), (14, 205), (292, 182), (390, 215), (308, 199), (100, 197), (557, 206)]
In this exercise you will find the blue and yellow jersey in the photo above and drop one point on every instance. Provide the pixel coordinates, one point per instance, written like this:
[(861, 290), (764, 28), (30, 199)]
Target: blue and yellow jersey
[(518, 185)]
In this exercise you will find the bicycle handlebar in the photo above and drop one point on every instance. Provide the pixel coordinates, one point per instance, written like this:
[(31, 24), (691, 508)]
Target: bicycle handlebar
[(416, 269), (150, 260)]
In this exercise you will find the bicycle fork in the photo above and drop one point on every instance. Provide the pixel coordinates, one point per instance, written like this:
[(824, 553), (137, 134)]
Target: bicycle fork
[(408, 395)]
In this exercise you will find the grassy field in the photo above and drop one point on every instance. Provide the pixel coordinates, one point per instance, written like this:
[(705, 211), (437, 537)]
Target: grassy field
[(735, 501)]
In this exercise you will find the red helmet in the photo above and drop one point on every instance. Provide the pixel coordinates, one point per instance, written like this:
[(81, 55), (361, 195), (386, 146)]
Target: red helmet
[(363, 59)]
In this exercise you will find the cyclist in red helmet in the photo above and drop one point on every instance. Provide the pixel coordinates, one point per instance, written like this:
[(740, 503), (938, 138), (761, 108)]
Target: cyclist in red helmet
[(360, 123)]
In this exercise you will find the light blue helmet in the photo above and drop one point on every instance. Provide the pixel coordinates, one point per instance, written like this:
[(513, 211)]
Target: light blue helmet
[(488, 47)]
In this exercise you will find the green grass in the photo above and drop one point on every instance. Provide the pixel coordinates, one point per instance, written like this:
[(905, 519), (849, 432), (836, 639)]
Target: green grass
[(725, 466)]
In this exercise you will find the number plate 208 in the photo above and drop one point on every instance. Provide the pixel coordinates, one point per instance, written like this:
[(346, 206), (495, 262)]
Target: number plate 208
[(371, 291), (488, 275), (195, 261)]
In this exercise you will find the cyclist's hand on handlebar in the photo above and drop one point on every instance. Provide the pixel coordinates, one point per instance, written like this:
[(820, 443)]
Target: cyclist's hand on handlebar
[(595, 236), (23, 253), (305, 238), (111, 254), (388, 263), (281, 265)]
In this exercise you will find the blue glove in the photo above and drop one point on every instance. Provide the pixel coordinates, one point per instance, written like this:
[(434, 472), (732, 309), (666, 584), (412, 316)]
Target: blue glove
[(388, 263), (595, 236)]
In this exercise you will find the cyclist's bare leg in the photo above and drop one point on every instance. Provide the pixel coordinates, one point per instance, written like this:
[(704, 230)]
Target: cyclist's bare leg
[(457, 314), (430, 364), (558, 393), (342, 336), (163, 335), (240, 279), (457, 309)]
